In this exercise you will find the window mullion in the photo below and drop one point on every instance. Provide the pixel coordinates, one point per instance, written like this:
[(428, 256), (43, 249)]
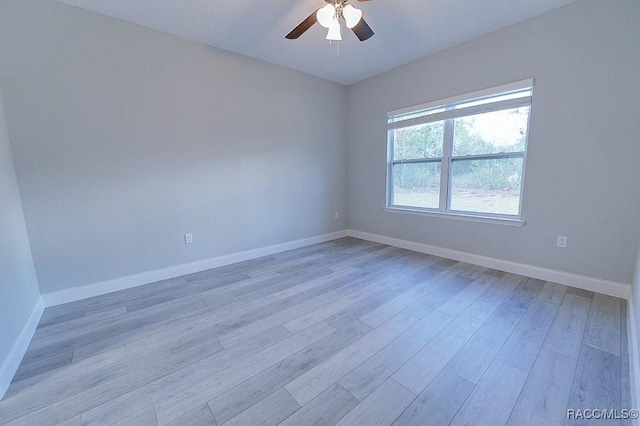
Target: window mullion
[(390, 151), (446, 165), (419, 160), (492, 156)]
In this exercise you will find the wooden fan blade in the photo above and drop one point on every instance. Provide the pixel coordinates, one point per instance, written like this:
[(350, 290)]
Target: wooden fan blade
[(304, 26), (362, 30)]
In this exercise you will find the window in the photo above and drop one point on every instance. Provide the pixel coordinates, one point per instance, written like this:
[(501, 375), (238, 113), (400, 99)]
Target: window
[(463, 155)]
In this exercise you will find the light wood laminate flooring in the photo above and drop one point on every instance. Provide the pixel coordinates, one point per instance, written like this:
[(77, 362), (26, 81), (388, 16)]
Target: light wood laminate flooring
[(346, 332)]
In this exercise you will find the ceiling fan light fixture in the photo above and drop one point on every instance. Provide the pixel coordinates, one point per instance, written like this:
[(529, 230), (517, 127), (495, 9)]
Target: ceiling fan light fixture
[(326, 15), (329, 17), (351, 16), (334, 31)]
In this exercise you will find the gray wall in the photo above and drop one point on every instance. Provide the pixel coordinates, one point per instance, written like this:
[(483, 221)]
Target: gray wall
[(636, 307), (582, 169), (126, 138), (635, 363), (18, 284)]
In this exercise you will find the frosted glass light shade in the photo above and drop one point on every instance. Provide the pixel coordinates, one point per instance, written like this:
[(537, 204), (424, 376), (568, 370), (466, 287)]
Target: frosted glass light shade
[(325, 15), (351, 15), (334, 31)]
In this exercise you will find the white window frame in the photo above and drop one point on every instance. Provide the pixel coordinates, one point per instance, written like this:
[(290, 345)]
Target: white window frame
[(513, 95)]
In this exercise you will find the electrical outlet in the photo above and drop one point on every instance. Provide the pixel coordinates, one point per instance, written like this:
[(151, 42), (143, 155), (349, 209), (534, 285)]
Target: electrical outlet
[(188, 238), (562, 241), (336, 215)]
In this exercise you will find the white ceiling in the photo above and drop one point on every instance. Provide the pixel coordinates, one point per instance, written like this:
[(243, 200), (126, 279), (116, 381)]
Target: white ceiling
[(405, 29)]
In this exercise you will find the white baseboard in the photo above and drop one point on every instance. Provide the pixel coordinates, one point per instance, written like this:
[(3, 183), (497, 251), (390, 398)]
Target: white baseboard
[(610, 288), (104, 287), (12, 362), (634, 356)]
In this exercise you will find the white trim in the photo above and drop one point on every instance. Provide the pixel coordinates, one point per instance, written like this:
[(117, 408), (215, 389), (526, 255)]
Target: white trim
[(130, 281), (610, 288), (505, 88), (459, 216), (634, 357), (14, 358), (450, 114)]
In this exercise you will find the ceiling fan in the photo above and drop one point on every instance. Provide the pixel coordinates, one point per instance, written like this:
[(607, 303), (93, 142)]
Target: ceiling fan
[(329, 17)]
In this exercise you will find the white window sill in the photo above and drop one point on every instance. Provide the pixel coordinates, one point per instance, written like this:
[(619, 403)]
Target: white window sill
[(458, 216)]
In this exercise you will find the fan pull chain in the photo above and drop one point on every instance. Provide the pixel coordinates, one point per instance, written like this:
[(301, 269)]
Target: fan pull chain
[(337, 46)]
